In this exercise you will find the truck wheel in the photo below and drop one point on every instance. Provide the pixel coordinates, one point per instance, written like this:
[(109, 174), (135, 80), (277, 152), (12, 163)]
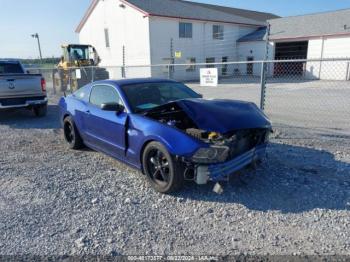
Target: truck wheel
[(163, 173), (40, 111), (71, 134)]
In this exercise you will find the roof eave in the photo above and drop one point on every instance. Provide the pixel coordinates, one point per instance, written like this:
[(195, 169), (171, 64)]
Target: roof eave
[(86, 15), (92, 8), (308, 36), (248, 41), (146, 14)]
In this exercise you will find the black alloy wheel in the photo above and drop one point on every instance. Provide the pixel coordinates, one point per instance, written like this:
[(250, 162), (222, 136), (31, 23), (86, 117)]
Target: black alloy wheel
[(164, 174), (71, 134)]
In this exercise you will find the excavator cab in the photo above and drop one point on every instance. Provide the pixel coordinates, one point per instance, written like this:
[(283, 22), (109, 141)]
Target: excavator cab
[(78, 66), (79, 56)]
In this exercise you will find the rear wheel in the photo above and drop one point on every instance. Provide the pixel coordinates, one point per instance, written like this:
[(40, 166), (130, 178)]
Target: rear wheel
[(71, 134), (164, 174), (40, 111)]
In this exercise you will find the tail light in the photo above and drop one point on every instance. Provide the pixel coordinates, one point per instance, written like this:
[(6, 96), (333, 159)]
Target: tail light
[(43, 84)]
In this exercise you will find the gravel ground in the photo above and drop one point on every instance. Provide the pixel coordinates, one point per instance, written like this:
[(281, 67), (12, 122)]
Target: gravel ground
[(56, 201)]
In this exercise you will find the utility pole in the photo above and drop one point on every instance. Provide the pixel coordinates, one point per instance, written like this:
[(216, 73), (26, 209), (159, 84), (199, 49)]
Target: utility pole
[(36, 35)]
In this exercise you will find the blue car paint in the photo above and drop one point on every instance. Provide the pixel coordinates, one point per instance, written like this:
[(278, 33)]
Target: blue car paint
[(124, 136), (223, 116), (141, 130)]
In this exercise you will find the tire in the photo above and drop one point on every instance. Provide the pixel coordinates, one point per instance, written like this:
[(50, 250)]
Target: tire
[(101, 74), (71, 134), (163, 173), (40, 111)]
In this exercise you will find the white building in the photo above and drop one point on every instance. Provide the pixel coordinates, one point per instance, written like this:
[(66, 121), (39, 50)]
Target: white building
[(144, 32), (316, 36)]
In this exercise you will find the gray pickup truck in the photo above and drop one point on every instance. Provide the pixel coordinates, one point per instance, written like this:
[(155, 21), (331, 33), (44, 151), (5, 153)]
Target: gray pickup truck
[(19, 89)]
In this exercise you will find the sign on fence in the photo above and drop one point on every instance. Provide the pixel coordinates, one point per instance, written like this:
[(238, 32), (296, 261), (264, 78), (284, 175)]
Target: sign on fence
[(178, 54), (209, 76), (78, 73)]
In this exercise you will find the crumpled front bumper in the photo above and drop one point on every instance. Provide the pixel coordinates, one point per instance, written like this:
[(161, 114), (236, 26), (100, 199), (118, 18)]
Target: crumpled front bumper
[(219, 172)]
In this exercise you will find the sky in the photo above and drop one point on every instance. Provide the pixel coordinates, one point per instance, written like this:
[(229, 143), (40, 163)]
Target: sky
[(56, 20)]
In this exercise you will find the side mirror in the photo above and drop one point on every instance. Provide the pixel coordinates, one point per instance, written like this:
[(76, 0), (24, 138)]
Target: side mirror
[(113, 107)]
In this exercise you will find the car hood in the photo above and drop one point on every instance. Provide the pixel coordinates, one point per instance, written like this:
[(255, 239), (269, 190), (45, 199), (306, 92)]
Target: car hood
[(224, 115)]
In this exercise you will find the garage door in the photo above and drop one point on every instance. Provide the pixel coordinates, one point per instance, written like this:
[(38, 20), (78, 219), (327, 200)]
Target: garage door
[(289, 51)]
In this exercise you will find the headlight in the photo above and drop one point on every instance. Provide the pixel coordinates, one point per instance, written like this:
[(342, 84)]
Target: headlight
[(211, 154), (267, 137)]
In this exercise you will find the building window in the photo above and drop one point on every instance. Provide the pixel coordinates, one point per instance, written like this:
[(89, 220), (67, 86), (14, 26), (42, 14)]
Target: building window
[(185, 30), (191, 64), (224, 66), (210, 60), (218, 32), (107, 38)]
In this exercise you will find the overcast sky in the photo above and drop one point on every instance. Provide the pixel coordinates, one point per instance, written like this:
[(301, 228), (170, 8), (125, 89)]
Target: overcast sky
[(56, 20)]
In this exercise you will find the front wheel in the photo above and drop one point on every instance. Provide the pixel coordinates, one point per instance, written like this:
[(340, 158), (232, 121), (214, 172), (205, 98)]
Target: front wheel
[(164, 174)]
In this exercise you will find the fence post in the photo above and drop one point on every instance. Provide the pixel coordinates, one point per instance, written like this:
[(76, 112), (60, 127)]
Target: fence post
[(263, 86), (123, 72), (124, 63), (264, 68), (92, 74), (169, 73), (53, 81)]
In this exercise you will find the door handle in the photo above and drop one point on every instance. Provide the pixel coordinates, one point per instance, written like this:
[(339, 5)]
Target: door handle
[(87, 111)]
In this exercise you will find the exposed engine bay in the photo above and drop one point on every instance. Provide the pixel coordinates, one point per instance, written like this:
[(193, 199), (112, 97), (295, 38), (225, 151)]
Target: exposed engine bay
[(238, 141), (172, 115)]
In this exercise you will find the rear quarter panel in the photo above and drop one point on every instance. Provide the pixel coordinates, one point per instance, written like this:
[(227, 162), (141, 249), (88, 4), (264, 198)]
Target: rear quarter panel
[(70, 106)]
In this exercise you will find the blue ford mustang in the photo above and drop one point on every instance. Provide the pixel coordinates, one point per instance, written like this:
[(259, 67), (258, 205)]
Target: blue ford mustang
[(165, 129)]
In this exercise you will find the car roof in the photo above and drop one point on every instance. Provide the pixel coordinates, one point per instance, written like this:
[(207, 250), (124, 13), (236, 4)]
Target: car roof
[(133, 81)]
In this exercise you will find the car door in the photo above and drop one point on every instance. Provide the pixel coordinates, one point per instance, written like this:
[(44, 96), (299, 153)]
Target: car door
[(105, 129)]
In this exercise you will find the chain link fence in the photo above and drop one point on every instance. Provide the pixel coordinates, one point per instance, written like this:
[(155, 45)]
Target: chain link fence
[(307, 94)]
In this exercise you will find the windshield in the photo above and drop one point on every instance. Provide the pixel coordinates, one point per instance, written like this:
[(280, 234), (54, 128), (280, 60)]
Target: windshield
[(79, 52), (145, 96)]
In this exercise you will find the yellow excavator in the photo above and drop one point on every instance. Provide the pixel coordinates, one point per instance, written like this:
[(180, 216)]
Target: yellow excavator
[(78, 66)]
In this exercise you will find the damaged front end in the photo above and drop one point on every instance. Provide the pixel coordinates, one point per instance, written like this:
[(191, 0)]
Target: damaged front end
[(235, 135), (227, 154), (237, 150)]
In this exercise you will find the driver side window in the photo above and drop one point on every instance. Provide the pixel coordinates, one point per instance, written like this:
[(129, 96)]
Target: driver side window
[(103, 94)]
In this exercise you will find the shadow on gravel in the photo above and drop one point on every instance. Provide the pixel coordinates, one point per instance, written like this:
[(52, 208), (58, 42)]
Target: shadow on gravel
[(25, 119), (293, 180)]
